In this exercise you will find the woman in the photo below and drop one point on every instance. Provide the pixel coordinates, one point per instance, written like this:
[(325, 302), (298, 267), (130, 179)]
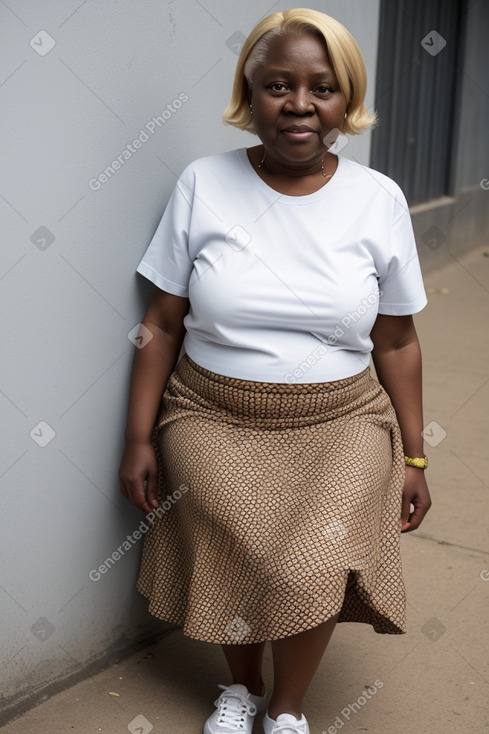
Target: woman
[(286, 471)]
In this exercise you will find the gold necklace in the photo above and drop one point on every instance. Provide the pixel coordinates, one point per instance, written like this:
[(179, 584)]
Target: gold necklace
[(265, 155)]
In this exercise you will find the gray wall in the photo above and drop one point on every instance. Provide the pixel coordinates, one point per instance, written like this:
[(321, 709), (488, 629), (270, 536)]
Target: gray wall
[(69, 295)]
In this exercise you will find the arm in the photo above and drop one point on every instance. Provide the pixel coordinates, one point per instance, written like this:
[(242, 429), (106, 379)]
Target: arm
[(151, 370), (397, 360)]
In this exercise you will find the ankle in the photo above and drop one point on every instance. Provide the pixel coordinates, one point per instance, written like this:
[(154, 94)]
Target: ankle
[(256, 688), (275, 709)]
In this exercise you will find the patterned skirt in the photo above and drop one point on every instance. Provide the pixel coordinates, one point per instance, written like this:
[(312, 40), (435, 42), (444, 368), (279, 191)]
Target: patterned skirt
[(279, 507)]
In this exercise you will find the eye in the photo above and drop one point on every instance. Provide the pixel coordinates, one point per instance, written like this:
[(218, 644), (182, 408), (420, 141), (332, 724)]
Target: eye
[(322, 89), (278, 87)]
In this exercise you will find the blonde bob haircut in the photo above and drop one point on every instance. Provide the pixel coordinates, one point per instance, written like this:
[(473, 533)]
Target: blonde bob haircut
[(344, 55)]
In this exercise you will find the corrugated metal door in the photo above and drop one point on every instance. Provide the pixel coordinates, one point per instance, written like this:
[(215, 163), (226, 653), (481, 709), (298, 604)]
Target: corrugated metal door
[(419, 48)]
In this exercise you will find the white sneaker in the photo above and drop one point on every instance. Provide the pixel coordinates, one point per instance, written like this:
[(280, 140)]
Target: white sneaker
[(236, 711), (285, 724)]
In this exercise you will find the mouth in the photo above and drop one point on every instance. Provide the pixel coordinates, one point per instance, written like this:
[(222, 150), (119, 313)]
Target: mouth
[(298, 132)]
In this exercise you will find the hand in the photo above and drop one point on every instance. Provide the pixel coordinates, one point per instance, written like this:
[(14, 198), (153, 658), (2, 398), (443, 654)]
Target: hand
[(415, 492), (139, 464)]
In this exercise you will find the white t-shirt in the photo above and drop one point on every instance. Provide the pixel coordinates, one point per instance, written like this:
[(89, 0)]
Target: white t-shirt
[(284, 288)]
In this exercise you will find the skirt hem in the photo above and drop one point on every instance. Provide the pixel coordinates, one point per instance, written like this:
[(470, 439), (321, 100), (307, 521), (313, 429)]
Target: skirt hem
[(389, 629)]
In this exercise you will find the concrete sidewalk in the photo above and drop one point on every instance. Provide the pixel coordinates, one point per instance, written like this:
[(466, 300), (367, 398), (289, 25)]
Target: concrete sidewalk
[(434, 679)]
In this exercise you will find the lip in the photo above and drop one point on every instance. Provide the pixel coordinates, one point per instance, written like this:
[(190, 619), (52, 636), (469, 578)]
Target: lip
[(298, 129), (298, 132)]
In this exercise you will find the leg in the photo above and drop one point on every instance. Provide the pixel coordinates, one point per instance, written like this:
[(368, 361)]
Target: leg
[(295, 660), (245, 663)]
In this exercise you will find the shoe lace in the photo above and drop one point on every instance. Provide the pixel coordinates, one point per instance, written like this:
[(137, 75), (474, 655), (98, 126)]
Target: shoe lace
[(233, 708)]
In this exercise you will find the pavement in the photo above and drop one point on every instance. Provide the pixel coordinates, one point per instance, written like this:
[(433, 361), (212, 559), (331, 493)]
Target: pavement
[(435, 678)]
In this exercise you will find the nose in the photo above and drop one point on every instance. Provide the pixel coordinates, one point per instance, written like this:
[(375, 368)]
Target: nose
[(300, 102)]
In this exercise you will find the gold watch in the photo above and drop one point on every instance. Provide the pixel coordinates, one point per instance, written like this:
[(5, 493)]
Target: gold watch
[(418, 463)]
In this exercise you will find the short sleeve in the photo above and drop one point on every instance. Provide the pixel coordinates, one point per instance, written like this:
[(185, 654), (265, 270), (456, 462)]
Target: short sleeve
[(401, 284), (166, 262)]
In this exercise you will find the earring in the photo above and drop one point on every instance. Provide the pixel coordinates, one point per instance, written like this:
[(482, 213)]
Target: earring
[(251, 109)]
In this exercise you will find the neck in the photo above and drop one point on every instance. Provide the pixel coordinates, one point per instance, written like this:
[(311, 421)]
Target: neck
[(311, 168)]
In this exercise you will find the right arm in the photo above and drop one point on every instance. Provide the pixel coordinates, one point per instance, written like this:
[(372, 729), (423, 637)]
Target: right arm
[(152, 367)]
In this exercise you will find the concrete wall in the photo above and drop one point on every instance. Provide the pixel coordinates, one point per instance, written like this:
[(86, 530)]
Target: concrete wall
[(80, 83)]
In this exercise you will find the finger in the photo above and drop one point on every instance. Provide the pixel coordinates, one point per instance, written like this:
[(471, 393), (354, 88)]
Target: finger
[(405, 513), (418, 515), (125, 489), (138, 498), (152, 490)]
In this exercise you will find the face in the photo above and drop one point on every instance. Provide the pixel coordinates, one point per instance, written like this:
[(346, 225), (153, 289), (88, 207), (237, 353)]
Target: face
[(296, 100)]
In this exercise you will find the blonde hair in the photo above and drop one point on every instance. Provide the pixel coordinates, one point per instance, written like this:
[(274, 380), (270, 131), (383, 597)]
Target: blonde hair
[(343, 52)]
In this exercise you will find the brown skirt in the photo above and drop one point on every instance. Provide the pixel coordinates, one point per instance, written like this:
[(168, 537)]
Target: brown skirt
[(279, 507)]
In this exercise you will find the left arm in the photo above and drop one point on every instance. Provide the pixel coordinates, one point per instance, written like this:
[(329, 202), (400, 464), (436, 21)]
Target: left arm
[(397, 360)]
